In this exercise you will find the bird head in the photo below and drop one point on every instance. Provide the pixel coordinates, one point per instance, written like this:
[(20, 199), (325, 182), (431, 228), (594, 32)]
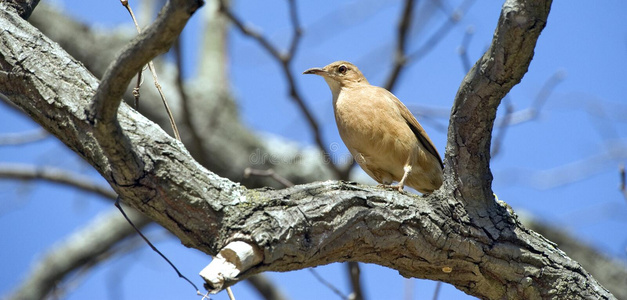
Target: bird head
[(339, 74)]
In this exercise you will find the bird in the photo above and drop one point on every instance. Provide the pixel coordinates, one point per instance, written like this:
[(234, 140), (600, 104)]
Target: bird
[(381, 134)]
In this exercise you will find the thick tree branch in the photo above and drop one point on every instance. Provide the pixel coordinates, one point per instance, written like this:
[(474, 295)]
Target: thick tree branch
[(445, 236), (612, 272), (87, 245), (156, 39), (490, 79)]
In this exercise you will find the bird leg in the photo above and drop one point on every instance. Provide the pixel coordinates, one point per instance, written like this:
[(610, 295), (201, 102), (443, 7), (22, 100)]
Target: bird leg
[(401, 184)]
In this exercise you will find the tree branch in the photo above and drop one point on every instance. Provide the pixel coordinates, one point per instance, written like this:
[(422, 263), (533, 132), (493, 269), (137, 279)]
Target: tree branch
[(23, 137), (23, 7), (33, 172), (156, 39), (215, 115), (401, 40), (480, 247), (612, 272), (266, 288), (490, 79)]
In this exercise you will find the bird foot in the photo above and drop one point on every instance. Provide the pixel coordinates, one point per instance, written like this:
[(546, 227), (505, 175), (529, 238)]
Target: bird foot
[(397, 187)]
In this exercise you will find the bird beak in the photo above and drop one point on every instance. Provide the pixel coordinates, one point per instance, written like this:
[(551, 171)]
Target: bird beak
[(316, 71)]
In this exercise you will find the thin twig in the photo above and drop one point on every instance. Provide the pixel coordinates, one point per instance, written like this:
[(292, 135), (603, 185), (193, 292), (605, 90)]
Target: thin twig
[(136, 94), (547, 89), (296, 28), (265, 287), (443, 30), (354, 274), (140, 78), (623, 178), (463, 48), (401, 59), (151, 66), (230, 293), (285, 60), (269, 173), (513, 118), (117, 204), (34, 172), (436, 293), (403, 30), (502, 127), (409, 289), (327, 284), (188, 116), (12, 139)]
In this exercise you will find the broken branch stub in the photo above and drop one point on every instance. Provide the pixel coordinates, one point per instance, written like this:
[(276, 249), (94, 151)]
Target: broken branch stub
[(234, 259)]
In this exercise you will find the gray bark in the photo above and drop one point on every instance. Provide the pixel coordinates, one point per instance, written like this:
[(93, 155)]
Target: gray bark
[(459, 234)]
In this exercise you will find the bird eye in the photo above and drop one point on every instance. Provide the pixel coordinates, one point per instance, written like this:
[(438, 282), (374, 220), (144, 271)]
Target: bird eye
[(342, 69)]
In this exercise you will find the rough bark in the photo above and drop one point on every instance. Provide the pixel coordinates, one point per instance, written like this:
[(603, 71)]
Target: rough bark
[(23, 7), (458, 234)]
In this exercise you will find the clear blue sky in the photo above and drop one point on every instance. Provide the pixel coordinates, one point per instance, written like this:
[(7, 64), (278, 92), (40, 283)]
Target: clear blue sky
[(539, 170)]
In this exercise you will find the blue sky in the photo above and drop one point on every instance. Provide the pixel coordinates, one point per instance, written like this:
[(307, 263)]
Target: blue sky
[(539, 170)]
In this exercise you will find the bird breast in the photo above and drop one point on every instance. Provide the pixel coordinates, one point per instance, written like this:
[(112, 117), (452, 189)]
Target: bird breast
[(370, 124)]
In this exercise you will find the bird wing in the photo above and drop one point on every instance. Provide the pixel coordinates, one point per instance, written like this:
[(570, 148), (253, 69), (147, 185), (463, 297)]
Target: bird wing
[(420, 133)]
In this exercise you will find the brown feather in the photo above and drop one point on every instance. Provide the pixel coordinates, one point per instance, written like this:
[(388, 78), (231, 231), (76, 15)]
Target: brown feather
[(383, 136)]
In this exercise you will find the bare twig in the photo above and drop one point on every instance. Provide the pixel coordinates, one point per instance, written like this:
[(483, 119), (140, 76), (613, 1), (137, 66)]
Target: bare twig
[(531, 113), (436, 293), (265, 287), (156, 39), (188, 116), (547, 89), (151, 66), (513, 118), (327, 284), (230, 293), (403, 29), (12, 139), (297, 31), (33, 172), (285, 60), (138, 84), (270, 173), (355, 278), (136, 92), (442, 31), (502, 128), (463, 48), (567, 173), (119, 206), (409, 289), (623, 185)]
